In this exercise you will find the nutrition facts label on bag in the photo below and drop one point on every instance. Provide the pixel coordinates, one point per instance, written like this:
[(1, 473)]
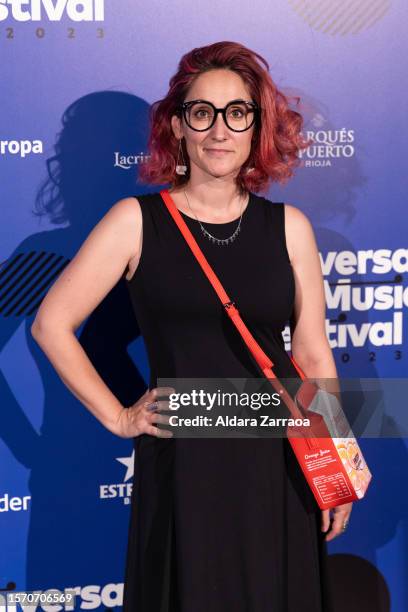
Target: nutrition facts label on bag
[(332, 487), (319, 460)]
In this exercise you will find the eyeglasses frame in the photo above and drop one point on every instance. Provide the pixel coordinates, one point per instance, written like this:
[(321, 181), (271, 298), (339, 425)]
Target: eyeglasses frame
[(255, 112)]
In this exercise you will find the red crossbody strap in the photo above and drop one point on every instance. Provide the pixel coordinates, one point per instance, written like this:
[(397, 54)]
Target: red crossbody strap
[(261, 357)]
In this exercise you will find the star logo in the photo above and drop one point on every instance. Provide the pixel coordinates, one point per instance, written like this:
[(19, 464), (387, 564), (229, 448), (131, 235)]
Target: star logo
[(129, 463)]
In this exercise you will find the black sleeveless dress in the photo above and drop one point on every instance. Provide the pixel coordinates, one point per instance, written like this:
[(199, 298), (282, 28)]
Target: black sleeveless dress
[(218, 524)]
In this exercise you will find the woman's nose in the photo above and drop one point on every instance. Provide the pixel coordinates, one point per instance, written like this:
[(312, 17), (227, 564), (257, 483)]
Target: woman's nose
[(219, 129)]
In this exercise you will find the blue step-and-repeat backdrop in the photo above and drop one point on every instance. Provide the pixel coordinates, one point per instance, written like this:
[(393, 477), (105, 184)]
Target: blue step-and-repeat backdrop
[(77, 79)]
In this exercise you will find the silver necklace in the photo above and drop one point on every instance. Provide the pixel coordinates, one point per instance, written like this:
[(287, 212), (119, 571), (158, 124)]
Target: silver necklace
[(221, 241)]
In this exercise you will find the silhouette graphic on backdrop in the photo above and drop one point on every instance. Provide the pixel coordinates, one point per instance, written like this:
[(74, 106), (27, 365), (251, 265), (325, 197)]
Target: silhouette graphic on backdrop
[(74, 535)]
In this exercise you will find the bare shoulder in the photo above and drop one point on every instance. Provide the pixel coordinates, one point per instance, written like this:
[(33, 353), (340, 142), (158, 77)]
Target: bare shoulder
[(127, 210), (294, 217), (300, 237), (126, 215)]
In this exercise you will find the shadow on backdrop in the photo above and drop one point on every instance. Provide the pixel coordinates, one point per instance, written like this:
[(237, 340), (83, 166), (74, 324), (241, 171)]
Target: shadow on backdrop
[(73, 534)]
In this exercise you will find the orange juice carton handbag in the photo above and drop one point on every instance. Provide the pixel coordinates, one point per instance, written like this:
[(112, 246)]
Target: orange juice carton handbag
[(326, 450)]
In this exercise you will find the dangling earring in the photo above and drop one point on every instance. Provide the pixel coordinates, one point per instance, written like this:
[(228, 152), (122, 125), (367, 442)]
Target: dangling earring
[(180, 168), (248, 170)]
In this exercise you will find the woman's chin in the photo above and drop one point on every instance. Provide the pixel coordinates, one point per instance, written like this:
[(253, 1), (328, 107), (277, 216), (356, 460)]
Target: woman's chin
[(222, 171)]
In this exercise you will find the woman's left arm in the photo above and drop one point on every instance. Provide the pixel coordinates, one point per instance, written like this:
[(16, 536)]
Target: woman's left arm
[(309, 342)]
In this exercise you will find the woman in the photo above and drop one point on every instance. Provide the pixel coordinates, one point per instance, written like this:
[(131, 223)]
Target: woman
[(217, 524)]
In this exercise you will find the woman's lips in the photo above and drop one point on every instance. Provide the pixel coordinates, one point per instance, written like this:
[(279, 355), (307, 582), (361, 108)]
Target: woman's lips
[(217, 152)]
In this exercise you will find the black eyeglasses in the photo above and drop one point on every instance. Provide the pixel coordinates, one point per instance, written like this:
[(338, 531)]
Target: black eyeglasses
[(200, 115)]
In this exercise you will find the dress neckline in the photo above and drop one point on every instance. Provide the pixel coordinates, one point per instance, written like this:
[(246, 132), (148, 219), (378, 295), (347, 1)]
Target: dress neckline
[(250, 202)]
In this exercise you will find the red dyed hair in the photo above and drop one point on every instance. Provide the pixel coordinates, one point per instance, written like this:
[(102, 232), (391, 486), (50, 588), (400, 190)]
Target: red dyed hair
[(277, 136)]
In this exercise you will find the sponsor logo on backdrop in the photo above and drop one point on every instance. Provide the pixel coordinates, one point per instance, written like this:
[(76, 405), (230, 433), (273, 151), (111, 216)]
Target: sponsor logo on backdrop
[(55, 10), (14, 503), (369, 283), (340, 18), (328, 145), (125, 162), (120, 491), (21, 148)]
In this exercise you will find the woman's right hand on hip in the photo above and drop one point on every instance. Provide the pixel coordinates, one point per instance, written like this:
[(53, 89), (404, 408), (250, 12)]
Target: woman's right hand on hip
[(142, 416)]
